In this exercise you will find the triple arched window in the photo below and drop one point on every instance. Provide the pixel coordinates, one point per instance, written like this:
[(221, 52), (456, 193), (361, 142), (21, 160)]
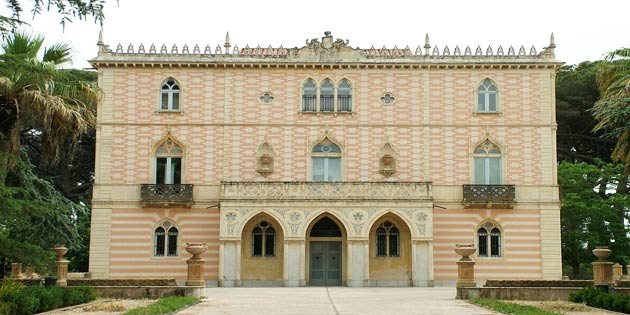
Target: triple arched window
[(487, 99), (326, 97), (489, 240), (168, 162), (169, 95), (165, 239), (487, 164), (263, 240), (387, 240)]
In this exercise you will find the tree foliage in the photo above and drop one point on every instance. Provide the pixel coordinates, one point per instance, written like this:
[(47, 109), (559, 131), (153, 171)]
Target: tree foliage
[(612, 111), (576, 93), (35, 217), (34, 98), (595, 205), (67, 9), (45, 114)]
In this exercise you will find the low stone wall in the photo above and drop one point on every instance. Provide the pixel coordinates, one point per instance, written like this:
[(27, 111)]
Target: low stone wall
[(514, 293), (147, 292), (123, 282), (538, 283)]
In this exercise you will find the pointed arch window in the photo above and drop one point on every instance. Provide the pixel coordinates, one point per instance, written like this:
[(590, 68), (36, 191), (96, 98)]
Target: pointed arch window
[(326, 162), (387, 240), (263, 240), (489, 240), (487, 164), (344, 96), (309, 96), (327, 96), (166, 240), (169, 95), (487, 100), (168, 163)]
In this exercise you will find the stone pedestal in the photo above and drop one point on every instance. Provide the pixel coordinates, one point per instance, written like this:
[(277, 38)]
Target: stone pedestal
[(195, 264), (603, 272), (617, 272), (61, 265), (16, 271), (62, 273), (195, 272), (466, 274)]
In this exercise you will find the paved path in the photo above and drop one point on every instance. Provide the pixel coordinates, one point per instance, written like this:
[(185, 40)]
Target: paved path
[(333, 301)]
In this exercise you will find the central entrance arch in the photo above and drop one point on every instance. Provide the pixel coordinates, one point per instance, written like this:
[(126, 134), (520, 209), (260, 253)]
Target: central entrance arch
[(326, 240)]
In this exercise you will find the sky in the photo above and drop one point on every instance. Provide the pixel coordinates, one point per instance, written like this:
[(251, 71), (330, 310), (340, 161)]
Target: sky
[(584, 30)]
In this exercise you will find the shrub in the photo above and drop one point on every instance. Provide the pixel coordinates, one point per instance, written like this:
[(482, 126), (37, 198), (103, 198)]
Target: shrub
[(7, 308), (79, 295), (598, 298), (18, 300)]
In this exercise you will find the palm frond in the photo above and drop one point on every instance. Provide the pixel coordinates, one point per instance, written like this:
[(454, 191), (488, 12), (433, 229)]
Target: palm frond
[(58, 54)]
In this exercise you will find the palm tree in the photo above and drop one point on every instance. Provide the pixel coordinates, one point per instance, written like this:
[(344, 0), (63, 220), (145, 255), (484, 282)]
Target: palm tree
[(613, 108), (34, 98)]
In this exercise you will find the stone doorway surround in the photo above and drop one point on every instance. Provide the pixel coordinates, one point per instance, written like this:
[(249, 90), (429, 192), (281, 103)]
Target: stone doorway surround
[(296, 205)]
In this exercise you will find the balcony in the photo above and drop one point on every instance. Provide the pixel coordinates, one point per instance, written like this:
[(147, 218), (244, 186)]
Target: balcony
[(166, 195), (489, 196)]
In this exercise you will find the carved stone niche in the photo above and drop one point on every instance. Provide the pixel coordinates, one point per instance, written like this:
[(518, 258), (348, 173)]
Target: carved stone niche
[(264, 159), (387, 160)]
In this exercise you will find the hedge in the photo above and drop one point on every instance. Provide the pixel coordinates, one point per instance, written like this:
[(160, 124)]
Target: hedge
[(596, 297), (16, 299)]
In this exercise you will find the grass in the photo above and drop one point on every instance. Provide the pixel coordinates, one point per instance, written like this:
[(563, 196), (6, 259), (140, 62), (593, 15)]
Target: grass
[(164, 306), (511, 308)]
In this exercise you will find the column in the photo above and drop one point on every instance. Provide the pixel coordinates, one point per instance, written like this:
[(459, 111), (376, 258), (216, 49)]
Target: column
[(294, 263), (358, 263), (422, 263), (230, 264)]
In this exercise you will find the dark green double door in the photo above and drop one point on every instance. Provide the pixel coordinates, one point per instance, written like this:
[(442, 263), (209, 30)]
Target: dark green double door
[(325, 264)]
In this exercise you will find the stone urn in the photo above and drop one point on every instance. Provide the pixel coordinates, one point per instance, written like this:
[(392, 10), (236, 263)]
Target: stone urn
[(387, 160), (265, 160), (601, 252), (60, 250), (465, 250), (196, 249)]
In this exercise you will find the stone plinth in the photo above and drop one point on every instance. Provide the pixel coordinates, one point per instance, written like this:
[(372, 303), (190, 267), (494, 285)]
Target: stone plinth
[(466, 273), (603, 272), (62, 273), (195, 272), (195, 264), (16, 271), (617, 272)]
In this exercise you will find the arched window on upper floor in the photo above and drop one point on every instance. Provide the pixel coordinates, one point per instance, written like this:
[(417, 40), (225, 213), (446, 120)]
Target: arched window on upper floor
[(487, 164), (327, 96), (326, 162), (168, 162), (169, 95), (487, 98), (344, 96), (309, 96)]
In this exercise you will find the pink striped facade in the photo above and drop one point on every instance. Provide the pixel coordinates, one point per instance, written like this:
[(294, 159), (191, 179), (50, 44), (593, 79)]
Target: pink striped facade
[(432, 125)]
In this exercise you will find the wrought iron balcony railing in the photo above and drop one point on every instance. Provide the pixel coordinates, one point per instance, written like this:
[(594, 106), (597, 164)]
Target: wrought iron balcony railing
[(166, 195), (489, 196)]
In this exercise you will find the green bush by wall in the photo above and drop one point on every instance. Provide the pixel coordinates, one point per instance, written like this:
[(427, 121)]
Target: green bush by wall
[(595, 297)]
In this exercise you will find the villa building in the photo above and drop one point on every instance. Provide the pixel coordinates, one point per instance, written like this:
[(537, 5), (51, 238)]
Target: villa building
[(326, 164)]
